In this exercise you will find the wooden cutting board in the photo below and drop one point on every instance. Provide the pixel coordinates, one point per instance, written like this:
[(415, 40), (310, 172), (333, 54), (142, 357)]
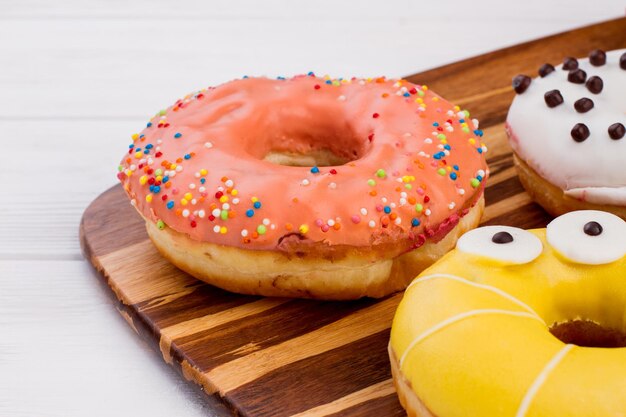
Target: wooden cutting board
[(256, 356)]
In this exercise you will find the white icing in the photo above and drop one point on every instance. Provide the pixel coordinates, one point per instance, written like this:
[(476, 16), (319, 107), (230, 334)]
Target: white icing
[(524, 248), (485, 287), (599, 195), (593, 169), (459, 317), (540, 380), (567, 236)]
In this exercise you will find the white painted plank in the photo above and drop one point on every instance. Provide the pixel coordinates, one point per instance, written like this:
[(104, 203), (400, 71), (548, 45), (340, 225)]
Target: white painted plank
[(51, 171), (132, 66), (66, 352), (197, 9), (297, 9)]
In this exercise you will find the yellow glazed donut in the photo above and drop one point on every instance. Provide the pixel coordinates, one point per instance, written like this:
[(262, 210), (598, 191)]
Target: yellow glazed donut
[(509, 324)]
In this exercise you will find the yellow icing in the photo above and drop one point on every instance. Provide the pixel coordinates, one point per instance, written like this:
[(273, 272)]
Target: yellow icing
[(496, 343)]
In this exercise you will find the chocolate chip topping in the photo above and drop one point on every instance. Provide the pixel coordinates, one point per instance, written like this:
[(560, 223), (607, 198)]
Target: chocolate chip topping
[(545, 69), (570, 63), (553, 98), (622, 61), (617, 131), (593, 229), (583, 105), (595, 84), (502, 238), (580, 132), (521, 83), (597, 57), (577, 76)]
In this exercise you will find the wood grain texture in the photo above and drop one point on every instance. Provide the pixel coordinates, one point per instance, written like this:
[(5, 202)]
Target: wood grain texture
[(266, 357)]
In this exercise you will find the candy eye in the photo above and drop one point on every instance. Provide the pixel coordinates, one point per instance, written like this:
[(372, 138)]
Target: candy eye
[(588, 237), (501, 243)]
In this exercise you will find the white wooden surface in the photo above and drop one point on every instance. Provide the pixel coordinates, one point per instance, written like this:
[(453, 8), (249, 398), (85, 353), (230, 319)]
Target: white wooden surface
[(77, 78)]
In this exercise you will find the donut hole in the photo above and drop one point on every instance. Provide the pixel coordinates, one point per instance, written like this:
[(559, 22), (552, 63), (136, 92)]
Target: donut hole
[(320, 158), (587, 333), (307, 136)]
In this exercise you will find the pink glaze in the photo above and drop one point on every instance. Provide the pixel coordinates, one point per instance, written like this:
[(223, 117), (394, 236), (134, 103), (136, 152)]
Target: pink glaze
[(386, 127)]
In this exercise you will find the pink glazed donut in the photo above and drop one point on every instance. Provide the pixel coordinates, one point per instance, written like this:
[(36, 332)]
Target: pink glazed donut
[(307, 187)]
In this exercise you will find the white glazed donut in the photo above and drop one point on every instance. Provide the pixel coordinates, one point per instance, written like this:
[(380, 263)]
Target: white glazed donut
[(567, 128)]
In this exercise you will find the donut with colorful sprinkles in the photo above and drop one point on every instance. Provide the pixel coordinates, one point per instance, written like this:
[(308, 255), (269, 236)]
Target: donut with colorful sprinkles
[(567, 130), (308, 186)]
